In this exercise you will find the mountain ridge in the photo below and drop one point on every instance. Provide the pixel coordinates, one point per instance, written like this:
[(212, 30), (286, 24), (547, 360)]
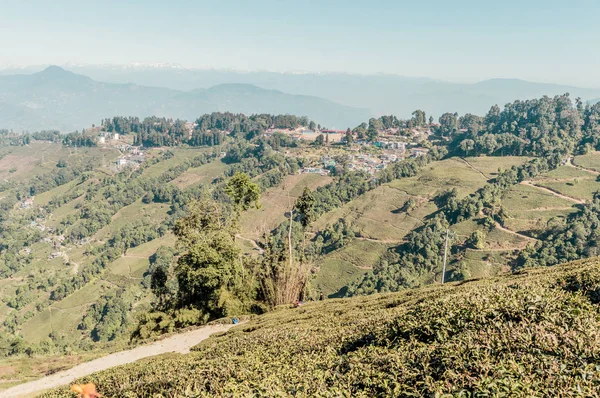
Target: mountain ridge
[(55, 98)]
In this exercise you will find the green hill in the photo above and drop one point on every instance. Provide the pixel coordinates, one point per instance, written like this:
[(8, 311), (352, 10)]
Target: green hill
[(534, 333)]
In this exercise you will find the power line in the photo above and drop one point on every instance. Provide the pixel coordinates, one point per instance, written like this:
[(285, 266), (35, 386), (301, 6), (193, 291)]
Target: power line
[(445, 257)]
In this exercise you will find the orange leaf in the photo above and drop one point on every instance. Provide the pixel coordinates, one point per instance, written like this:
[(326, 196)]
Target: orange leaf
[(85, 390)]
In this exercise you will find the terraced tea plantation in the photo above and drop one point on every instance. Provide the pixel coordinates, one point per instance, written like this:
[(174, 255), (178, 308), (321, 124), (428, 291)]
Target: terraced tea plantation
[(534, 333)]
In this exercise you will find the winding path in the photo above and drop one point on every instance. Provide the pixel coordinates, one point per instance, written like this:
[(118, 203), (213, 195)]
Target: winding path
[(253, 242), (180, 343), (552, 192), (475, 168), (509, 231), (571, 164)]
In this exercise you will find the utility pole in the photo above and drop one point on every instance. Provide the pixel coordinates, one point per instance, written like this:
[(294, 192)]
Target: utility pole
[(445, 257)]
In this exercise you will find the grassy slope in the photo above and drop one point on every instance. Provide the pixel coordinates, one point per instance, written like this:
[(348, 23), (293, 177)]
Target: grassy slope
[(535, 333), (274, 204), (378, 218), (200, 175), (64, 316), (181, 155), (374, 213), (588, 161)]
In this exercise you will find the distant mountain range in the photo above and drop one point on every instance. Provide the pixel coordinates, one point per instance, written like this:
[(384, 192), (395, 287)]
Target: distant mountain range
[(55, 97), (59, 99), (381, 94)]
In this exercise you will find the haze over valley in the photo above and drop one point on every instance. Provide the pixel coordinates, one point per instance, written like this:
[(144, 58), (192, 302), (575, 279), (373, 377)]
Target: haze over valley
[(74, 97)]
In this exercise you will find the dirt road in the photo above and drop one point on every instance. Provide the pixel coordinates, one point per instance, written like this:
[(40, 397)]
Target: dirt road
[(179, 343), (551, 192)]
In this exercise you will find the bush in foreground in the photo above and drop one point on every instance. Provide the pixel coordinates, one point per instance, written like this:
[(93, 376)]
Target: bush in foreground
[(535, 333)]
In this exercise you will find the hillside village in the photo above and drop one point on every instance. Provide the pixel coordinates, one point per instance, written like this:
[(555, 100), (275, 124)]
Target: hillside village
[(360, 154)]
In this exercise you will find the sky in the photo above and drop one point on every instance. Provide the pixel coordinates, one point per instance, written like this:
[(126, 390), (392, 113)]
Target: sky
[(459, 40)]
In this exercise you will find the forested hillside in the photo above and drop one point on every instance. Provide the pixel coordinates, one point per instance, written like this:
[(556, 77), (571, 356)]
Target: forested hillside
[(138, 227)]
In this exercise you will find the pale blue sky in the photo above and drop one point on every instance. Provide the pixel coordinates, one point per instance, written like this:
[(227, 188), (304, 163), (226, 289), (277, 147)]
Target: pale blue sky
[(458, 40)]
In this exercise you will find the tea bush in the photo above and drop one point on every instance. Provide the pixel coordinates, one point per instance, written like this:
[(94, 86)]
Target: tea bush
[(533, 333)]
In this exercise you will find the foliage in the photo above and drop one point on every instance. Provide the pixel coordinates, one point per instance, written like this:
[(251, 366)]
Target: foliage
[(305, 207), (160, 271), (211, 275), (531, 334), (107, 319), (208, 130), (566, 240), (243, 192)]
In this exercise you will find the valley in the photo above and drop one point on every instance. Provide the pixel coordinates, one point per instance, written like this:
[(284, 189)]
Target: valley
[(87, 222)]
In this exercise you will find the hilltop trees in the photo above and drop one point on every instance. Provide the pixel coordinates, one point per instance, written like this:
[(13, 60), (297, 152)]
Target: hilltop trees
[(208, 130), (539, 127), (419, 118), (448, 124)]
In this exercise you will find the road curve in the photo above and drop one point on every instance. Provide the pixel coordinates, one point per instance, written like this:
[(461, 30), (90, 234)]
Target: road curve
[(179, 343)]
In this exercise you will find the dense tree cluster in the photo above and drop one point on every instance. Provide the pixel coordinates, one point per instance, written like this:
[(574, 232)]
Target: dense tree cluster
[(537, 127), (573, 238), (10, 138), (108, 318), (77, 139), (208, 130)]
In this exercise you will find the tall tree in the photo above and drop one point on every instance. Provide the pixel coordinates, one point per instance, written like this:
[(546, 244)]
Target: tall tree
[(305, 207), (211, 273), (419, 118), (243, 192), (448, 124)]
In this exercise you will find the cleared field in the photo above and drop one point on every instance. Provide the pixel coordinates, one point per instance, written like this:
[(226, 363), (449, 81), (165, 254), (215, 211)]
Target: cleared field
[(275, 204), (345, 266), (530, 208), (485, 264), (526, 198), (578, 189), (64, 316), (588, 161), (565, 173), (200, 175), (59, 214), (443, 175), (489, 165), (22, 163), (181, 155), (152, 212), (44, 198), (378, 214)]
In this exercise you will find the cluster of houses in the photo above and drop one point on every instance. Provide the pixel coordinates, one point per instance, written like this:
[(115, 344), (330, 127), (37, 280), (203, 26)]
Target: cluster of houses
[(303, 133), (26, 203), (105, 136), (365, 162), (132, 157)]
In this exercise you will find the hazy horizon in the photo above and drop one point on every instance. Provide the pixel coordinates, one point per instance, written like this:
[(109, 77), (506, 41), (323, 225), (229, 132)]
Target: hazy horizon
[(463, 42), (32, 68)]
